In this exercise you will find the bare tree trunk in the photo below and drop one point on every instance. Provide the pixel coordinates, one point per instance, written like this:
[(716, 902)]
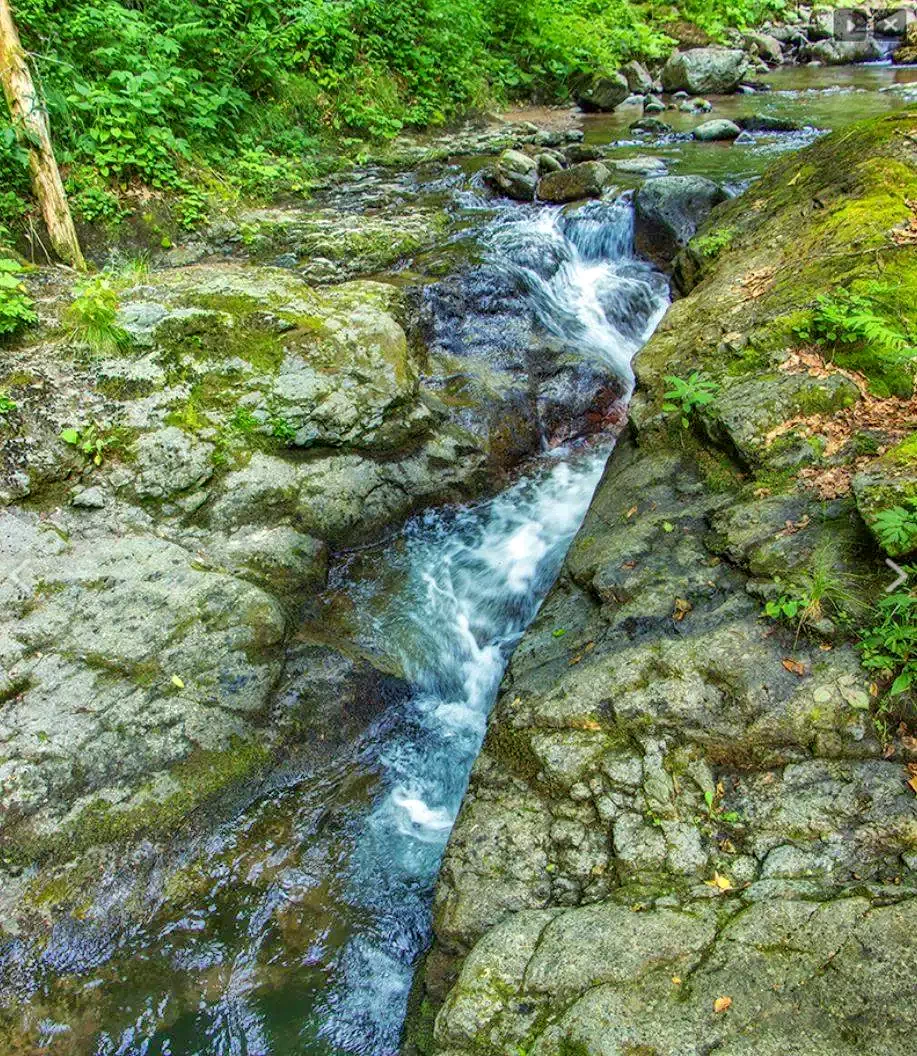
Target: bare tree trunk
[(31, 125)]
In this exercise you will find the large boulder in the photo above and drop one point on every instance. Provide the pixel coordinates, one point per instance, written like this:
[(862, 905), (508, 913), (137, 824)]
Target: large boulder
[(603, 92), (765, 46), (668, 211), (586, 180), (844, 52), (704, 70), (515, 174)]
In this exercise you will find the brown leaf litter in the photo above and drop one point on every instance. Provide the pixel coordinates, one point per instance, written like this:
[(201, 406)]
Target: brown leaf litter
[(892, 417)]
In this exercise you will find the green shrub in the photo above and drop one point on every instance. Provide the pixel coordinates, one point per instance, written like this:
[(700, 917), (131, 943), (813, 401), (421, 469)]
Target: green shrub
[(92, 315), (686, 395), (88, 440), (7, 404), (896, 529), (16, 306), (817, 592), (889, 645)]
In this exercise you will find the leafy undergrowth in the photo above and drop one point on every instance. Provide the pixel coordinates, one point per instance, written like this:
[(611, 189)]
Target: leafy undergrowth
[(250, 96)]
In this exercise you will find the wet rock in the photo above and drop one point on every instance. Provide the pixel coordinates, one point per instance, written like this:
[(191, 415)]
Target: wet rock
[(580, 152), (767, 123), (637, 77), (641, 166), (653, 125), (843, 52), (653, 105), (515, 174), (704, 70), (603, 92), (586, 180), (548, 163), (668, 211), (719, 129), (906, 54)]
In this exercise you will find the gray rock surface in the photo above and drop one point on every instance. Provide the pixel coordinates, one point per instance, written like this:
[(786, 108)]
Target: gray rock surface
[(668, 211), (702, 71), (718, 129)]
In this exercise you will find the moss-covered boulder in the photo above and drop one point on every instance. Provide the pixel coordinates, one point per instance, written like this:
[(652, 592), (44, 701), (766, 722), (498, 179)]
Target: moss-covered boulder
[(585, 180)]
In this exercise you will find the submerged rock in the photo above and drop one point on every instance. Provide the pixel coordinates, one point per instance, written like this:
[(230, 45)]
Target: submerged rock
[(704, 70), (767, 123)]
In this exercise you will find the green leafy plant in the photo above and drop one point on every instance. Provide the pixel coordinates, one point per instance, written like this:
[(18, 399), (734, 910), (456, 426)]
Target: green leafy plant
[(846, 318), (711, 244), (16, 306), (896, 529), (889, 644), (92, 317), (686, 395), (818, 592), (281, 429), (7, 404), (88, 440)]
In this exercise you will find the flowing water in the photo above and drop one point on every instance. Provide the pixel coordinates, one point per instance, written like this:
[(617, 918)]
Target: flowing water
[(296, 927)]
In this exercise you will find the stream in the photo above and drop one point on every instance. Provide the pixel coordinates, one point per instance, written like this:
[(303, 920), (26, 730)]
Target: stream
[(299, 924)]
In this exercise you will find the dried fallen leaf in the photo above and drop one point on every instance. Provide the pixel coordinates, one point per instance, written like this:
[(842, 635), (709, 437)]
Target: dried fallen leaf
[(176, 681), (628, 565), (630, 513), (720, 882), (721, 1004), (682, 608), (795, 666), (676, 979), (912, 784)]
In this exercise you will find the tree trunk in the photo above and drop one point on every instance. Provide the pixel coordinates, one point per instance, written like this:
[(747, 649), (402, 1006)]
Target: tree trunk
[(31, 126)]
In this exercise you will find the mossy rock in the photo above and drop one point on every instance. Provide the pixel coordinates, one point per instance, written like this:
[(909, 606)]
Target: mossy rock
[(842, 198), (887, 484)]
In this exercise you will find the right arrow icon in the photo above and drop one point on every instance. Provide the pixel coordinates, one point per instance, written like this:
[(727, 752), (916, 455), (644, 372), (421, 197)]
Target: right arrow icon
[(902, 575)]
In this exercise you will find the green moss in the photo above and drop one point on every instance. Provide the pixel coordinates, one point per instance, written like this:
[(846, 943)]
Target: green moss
[(904, 453), (126, 388), (514, 748), (710, 244), (201, 778)]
